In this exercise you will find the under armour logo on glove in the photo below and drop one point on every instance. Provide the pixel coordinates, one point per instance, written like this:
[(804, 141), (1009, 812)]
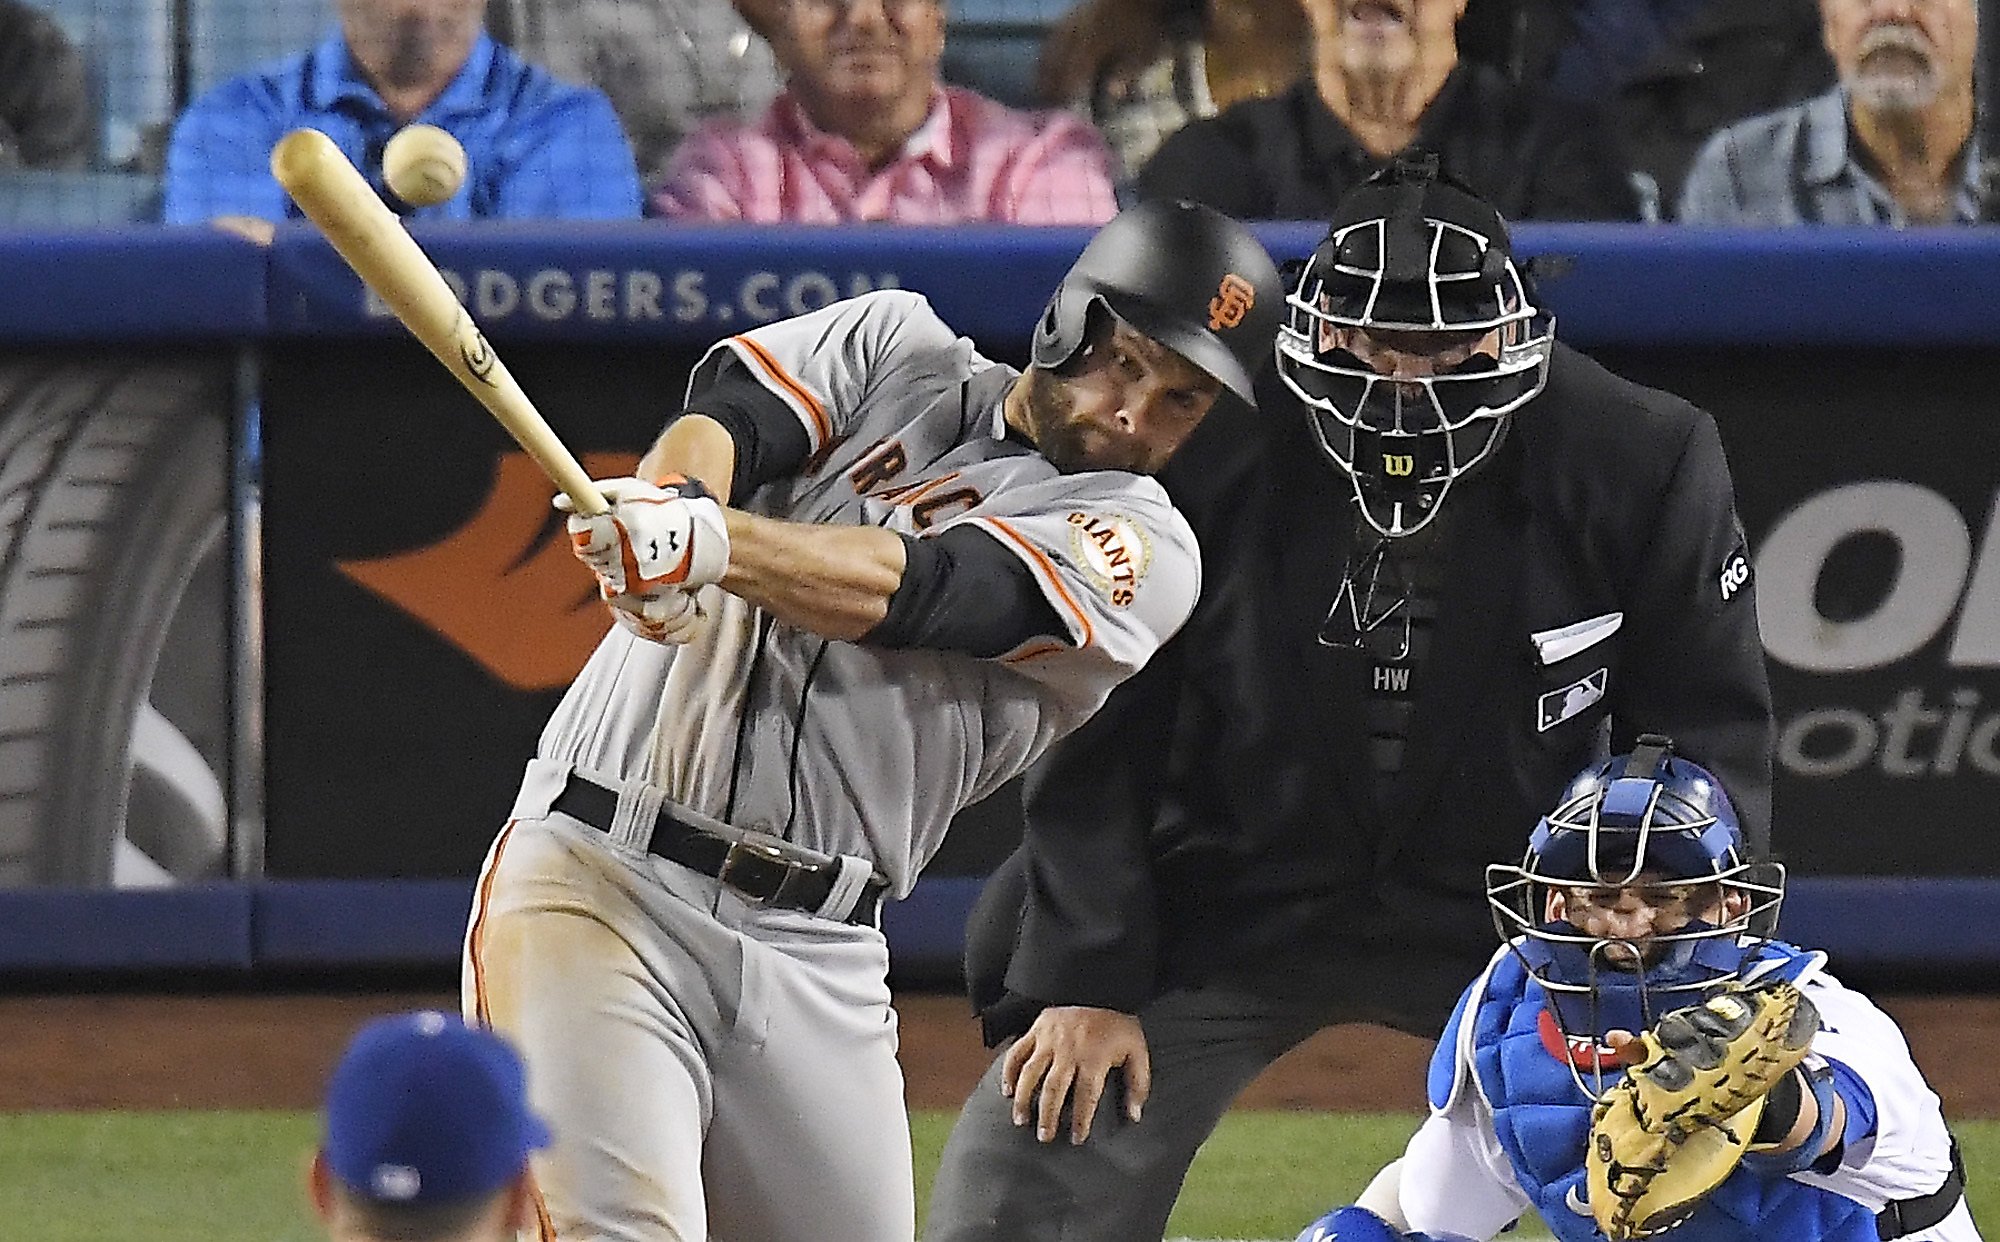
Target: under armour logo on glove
[(669, 534)]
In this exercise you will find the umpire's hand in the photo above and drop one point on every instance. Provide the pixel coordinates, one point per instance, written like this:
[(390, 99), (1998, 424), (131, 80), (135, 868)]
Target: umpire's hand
[(1075, 1047)]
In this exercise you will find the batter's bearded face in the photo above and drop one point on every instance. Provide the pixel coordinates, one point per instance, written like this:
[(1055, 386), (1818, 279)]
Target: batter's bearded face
[(1128, 403)]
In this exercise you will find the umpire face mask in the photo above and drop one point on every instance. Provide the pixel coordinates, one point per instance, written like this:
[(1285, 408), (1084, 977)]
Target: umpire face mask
[(1411, 340)]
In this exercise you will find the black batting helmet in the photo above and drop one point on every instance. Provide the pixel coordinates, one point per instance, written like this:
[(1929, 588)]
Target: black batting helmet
[(1186, 275), (1414, 252)]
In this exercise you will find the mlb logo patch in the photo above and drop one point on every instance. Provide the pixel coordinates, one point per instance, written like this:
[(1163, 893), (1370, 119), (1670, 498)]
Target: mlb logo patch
[(1559, 705)]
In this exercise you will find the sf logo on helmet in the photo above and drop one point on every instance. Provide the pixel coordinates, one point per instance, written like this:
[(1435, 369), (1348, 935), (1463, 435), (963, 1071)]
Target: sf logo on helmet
[(1232, 300)]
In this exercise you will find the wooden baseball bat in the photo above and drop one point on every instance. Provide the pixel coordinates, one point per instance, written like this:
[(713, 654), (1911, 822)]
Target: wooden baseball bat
[(368, 235)]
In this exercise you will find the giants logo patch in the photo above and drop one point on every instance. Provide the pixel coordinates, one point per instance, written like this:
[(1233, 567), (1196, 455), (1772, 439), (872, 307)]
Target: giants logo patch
[(1233, 299), (1113, 551)]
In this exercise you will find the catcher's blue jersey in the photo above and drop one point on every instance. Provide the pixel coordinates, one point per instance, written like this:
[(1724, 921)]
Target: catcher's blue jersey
[(1542, 1120)]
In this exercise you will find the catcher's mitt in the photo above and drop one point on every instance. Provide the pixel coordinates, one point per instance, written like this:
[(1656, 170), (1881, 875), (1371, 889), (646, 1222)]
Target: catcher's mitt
[(1674, 1127)]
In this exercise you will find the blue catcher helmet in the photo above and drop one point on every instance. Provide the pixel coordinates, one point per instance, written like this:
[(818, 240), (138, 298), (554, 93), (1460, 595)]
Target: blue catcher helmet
[(1646, 832)]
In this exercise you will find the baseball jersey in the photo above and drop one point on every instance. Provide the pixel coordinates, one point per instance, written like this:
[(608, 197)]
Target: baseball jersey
[(854, 750), (1457, 1177)]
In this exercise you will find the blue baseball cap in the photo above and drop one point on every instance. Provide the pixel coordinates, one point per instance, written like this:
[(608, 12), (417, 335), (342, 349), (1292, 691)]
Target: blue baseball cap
[(425, 1109)]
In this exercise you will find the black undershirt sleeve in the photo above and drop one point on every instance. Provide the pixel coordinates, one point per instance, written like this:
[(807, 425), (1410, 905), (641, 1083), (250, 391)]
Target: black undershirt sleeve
[(963, 591), (771, 442)]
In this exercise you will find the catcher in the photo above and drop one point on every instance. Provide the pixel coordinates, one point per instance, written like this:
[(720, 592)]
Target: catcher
[(1641, 1056)]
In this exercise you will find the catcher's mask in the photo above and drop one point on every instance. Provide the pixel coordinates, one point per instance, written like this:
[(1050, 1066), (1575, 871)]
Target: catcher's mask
[(1415, 256), (1658, 828)]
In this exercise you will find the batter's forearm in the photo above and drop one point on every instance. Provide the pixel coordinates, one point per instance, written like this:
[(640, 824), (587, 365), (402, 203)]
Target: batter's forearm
[(697, 446), (831, 580)]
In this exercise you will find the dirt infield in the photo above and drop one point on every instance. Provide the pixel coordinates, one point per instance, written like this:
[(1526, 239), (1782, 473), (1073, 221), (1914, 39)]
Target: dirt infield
[(274, 1051)]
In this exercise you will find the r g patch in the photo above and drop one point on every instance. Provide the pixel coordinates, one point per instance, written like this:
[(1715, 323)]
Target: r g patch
[(1735, 574), (1113, 551)]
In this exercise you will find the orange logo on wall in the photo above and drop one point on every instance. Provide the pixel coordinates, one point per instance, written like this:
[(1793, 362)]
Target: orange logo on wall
[(1232, 300), (504, 588)]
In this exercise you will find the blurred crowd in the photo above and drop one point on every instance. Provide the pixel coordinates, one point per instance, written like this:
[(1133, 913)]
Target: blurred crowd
[(838, 111)]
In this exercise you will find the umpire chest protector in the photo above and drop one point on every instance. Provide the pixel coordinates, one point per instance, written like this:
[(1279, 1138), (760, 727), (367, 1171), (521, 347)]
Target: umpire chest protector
[(1542, 1119)]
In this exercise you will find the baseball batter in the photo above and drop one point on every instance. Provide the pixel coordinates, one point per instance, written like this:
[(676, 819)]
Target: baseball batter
[(867, 578), (1634, 911)]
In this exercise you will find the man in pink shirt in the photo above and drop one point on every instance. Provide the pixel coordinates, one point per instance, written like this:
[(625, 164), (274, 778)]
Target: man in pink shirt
[(864, 130)]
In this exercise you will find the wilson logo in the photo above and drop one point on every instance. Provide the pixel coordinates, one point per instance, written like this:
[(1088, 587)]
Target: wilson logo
[(1232, 300), (1399, 465)]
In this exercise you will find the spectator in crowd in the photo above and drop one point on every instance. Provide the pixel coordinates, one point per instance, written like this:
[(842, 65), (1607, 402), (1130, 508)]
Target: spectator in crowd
[(1673, 71), (428, 1134), (1141, 69), (1891, 144), (534, 146), (1387, 78), (667, 65), (46, 120), (865, 130)]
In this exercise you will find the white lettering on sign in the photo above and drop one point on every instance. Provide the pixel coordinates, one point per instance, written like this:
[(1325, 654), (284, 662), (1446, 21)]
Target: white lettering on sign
[(640, 295), (1936, 576), (1944, 585), (1909, 738)]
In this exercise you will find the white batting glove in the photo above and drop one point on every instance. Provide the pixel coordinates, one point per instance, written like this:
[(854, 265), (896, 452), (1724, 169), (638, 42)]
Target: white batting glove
[(652, 536), (669, 615)]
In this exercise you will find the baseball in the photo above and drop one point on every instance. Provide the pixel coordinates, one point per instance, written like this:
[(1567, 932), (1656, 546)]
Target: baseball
[(423, 165)]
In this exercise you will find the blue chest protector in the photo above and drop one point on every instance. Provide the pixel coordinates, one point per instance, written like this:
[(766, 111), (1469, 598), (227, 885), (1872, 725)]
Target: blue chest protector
[(1542, 1119)]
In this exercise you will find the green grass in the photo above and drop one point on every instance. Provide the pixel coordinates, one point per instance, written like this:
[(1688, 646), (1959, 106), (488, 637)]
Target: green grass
[(162, 1177), (236, 1177)]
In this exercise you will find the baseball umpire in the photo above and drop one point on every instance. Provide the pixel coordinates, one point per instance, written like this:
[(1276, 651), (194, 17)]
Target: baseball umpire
[(866, 578), (1762, 1099), (1466, 560)]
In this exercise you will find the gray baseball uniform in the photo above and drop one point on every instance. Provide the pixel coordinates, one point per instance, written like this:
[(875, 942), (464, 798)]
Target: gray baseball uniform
[(716, 1067)]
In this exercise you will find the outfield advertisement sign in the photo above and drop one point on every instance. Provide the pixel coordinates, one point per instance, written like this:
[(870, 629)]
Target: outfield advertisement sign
[(442, 625)]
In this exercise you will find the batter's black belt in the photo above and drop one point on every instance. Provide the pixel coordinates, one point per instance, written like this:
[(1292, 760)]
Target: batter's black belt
[(1907, 1216), (758, 870)]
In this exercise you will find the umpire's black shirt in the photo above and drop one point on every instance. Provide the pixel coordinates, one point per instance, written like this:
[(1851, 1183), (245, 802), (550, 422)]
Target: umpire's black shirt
[(1221, 820)]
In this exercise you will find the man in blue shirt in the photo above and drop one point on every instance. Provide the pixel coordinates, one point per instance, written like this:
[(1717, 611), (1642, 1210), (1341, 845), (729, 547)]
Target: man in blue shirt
[(535, 147), (1892, 144)]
